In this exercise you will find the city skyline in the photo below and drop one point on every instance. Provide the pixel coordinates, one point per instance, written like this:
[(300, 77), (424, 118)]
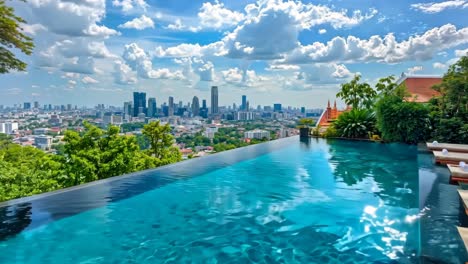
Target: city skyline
[(293, 52)]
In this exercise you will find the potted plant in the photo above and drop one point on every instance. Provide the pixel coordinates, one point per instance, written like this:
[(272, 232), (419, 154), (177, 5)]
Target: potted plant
[(305, 126)]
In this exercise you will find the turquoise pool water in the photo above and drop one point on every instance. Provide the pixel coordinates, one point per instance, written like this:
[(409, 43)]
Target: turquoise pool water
[(306, 202)]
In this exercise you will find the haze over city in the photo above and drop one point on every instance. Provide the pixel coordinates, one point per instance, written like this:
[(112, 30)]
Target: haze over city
[(295, 53)]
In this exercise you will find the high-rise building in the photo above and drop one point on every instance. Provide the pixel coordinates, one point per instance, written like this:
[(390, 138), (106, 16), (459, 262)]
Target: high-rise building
[(277, 107), (204, 109), (69, 107), (214, 100), (165, 110), (128, 109), (36, 105), (26, 106), (139, 102), (244, 103), (303, 110), (247, 106), (170, 111), (195, 106), (152, 108)]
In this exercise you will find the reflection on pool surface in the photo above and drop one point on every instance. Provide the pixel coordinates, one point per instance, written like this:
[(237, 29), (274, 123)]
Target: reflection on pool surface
[(307, 202)]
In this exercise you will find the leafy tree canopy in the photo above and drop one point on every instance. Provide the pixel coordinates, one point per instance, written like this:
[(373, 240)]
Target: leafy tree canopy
[(356, 94), (12, 37)]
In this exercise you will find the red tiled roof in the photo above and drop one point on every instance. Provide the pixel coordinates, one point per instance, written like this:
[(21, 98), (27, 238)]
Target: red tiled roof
[(421, 88)]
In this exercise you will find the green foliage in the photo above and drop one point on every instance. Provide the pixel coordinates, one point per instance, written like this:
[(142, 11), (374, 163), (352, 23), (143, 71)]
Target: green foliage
[(192, 141), (26, 171), (357, 95), (92, 155), (357, 123), (99, 154), (387, 86), (330, 132), (143, 141), (161, 142), (12, 36), (449, 112), (316, 131), (451, 130), (129, 127), (223, 146), (306, 122), (402, 121)]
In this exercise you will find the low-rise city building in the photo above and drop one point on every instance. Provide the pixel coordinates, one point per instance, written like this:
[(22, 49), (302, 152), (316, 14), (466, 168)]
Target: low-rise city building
[(257, 134)]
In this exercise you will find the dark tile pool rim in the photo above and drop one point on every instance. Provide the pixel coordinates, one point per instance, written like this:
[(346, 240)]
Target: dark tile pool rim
[(218, 160), (33, 211)]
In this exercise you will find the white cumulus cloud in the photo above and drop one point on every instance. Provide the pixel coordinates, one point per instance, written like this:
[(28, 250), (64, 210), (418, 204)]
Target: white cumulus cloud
[(217, 16), (415, 69), (138, 23), (387, 49), (439, 65), (433, 7), (123, 74), (89, 80), (272, 27), (140, 61), (130, 5)]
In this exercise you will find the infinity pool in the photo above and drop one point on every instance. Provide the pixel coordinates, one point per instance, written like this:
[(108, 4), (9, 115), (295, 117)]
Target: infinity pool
[(281, 202)]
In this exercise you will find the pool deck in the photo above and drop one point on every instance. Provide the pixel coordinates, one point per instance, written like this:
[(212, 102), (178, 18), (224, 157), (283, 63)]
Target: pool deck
[(464, 198), (463, 231), (450, 157), (448, 146), (457, 173)]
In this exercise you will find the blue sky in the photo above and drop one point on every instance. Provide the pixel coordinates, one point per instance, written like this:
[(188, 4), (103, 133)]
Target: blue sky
[(293, 52)]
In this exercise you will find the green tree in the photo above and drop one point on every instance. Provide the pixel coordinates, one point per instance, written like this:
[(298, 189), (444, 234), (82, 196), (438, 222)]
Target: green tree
[(357, 95), (12, 36), (161, 143), (99, 154), (387, 86), (26, 171), (449, 112)]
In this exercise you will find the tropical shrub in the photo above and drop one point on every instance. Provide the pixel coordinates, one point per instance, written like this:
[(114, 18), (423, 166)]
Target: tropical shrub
[(449, 112), (402, 121), (357, 123), (330, 132)]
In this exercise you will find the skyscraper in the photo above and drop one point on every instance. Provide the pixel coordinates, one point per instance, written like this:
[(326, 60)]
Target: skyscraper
[(214, 100), (204, 109), (277, 107), (152, 108), (170, 111), (244, 103), (139, 103), (27, 106), (128, 109), (195, 106)]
